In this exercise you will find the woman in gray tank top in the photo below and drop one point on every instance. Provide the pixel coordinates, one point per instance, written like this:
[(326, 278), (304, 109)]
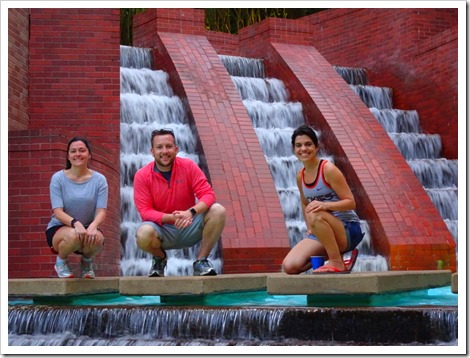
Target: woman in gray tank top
[(79, 199), (328, 205)]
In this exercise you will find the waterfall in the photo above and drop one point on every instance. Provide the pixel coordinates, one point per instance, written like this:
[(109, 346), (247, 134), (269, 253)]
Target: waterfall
[(148, 103), (274, 119), (357, 76), (422, 151), (245, 326)]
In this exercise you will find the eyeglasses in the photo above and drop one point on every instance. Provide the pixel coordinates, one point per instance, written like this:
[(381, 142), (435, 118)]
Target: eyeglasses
[(162, 131)]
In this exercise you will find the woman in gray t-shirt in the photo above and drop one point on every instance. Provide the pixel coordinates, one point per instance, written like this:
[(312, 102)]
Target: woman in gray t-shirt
[(79, 199)]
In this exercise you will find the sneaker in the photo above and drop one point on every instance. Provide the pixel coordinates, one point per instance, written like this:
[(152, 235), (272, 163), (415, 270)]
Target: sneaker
[(63, 270), (158, 267), (203, 267), (87, 269)]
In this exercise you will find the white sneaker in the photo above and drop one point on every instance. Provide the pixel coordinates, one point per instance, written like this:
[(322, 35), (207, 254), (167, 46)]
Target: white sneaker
[(87, 269), (63, 270)]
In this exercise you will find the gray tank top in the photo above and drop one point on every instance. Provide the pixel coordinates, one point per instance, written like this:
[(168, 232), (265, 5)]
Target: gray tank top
[(320, 190)]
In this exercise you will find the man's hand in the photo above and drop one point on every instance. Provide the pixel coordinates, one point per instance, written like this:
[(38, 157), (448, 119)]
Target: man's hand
[(182, 218)]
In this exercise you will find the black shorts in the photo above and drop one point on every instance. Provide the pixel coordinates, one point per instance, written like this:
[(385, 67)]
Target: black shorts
[(50, 235)]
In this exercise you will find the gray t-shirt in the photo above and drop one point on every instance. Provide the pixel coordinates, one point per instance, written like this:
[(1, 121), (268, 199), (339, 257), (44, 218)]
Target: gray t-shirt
[(79, 200)]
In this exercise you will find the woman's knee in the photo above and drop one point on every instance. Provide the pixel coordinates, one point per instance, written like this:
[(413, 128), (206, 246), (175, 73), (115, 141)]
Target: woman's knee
[(314, 218), (289, 267)]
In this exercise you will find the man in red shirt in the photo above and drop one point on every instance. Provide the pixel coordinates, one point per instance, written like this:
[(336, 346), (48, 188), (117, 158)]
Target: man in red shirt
[(165, 193)]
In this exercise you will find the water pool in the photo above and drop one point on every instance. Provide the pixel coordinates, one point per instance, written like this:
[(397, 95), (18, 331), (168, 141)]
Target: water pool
[(441, 296)]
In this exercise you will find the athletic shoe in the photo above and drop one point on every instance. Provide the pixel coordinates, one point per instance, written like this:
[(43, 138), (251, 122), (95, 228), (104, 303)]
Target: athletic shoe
[(158, 267), (87, 269), (203, 267), (63, 270)]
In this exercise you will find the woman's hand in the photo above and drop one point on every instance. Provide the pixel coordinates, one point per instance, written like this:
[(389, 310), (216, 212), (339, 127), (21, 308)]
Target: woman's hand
[(91, 236), (316, 206), (80, 231)]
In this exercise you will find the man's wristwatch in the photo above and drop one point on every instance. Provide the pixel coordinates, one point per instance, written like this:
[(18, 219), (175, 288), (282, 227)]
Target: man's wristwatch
[(72, 223), (193, 212)]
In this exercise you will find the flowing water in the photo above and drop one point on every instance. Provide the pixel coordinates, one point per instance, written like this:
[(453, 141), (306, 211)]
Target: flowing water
[(130, 326), (148, 103), (422, 151), (274, 119)]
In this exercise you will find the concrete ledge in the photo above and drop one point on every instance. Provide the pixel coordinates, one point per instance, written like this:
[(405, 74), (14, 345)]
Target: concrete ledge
[(455, 283), (48, 287), (360, 283), (191, 285), (356, 283)]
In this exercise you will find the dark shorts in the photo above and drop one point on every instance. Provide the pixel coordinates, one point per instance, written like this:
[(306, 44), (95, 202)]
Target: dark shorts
[(354, 234), (50, 235)]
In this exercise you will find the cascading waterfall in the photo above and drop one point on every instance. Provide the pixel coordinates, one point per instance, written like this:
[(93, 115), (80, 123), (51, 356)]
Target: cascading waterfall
[(148, 103), (244, 326), (422, 151), (274, 119)]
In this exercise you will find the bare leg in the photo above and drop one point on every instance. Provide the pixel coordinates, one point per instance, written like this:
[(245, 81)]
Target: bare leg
[(65, 242), (148, 241), (213, 227), (331, 233), (91, 250), (298, 259)]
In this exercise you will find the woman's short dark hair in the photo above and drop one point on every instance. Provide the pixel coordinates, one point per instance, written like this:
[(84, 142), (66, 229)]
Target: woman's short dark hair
[(305, 130), (68, 165)]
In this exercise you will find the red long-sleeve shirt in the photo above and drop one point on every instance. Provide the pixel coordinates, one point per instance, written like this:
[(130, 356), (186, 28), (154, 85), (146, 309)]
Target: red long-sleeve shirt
[(154, 196)]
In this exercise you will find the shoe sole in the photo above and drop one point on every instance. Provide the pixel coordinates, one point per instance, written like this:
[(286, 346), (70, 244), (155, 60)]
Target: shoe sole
[(70, 276), (155, 275), (210, 273)]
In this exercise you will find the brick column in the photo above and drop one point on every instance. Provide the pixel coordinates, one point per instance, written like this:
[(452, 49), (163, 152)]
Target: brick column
[(405, 224), (74, 88), (255, 238)]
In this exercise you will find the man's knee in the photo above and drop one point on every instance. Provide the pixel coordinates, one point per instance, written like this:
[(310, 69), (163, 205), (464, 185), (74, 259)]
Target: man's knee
[(144, 236), (217, 211)]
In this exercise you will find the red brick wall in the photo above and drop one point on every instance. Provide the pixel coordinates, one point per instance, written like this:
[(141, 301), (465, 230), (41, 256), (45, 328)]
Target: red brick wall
[(413, 51), (74, 72), (362, 148), (74, 81), (34, 155), (74, 90), (397, 208), (18, 34), (223, 43), (255, 238)]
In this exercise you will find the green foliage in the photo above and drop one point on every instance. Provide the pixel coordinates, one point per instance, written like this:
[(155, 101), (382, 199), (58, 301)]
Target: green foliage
[(232, 20), (221, 20), (126, 25)]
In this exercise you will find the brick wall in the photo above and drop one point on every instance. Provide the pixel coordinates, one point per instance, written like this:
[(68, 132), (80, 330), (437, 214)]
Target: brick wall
[(74, 90), (18, 34), (74, 72), (397, 208), (34, 155), (255, 238), (413, 51), (361, 146), (74, 81)]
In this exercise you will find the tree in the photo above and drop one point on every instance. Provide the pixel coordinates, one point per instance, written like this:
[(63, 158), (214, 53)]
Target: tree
[(221, 20)]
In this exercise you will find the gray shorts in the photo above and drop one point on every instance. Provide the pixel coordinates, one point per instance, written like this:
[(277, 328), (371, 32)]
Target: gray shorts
[(173, 238)]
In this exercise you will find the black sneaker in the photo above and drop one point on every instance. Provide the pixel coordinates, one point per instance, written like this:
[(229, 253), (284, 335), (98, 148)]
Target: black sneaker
[(203, 267), (158, 267)]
